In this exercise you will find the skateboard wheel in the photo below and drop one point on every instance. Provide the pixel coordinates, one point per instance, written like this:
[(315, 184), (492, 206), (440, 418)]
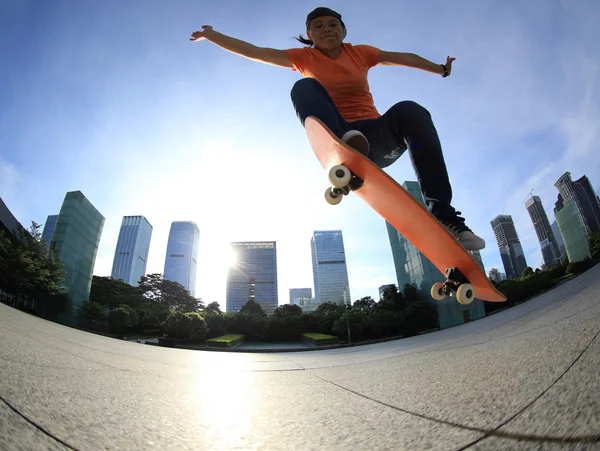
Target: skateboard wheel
[(436, 291), (465, 294), (332, 198), (339, 176)]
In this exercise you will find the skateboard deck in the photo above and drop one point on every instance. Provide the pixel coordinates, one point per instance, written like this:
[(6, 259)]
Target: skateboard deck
[(401, 210)]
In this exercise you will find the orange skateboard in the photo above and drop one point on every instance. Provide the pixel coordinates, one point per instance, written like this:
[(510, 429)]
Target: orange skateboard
[(350, 171)]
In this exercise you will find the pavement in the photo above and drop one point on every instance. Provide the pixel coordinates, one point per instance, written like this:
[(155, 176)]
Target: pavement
[(524, 378)]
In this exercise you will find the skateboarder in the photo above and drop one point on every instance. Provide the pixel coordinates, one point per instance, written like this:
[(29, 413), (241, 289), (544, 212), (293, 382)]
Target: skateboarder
[(335, 90)]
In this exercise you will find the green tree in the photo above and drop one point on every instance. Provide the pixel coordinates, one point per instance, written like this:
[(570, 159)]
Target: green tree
[(392, 293), (327, 314), (198, 329), (27, 272), (178, 298), (356, 319), (111, 293), (253, 308), (286, 310), (213, 307), (119, 320), (93, 311), (412, 294), (527, 272), (177, 325), (364, 305)]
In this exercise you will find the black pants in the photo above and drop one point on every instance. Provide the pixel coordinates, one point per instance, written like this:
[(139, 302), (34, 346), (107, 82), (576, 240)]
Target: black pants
[(406, 125)]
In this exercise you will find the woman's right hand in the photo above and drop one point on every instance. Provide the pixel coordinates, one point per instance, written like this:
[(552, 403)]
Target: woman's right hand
[(200, 35)]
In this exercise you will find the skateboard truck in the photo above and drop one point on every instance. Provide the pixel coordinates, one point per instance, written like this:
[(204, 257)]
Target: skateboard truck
[(343, 181), (457, 285)]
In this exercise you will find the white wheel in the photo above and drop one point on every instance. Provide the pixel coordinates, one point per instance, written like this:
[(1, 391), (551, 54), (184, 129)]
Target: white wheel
[(332, 198), (436, 291), (465, 294), (340, 176)]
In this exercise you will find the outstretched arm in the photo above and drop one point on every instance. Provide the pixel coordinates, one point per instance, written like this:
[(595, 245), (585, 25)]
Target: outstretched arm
[(242, 48), (412, 60)]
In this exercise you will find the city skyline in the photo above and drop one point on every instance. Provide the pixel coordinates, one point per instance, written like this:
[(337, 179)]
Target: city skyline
[(164, 127)]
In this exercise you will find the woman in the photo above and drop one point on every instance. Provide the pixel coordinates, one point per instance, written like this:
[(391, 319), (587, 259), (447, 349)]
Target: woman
[(335, 90)]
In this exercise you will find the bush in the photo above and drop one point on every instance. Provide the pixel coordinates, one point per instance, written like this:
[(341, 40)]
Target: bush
[(198, 329), (119, 320), (420, 316), (177, 325), (320, 339), (252, 326), (358, 322), (216, 323), (284, 328), (226, 341)]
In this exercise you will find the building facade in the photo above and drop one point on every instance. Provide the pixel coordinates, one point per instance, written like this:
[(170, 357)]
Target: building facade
[(49, 229), (572, 230), (253, 276), (75, 241), (181, 261), (296, 293), (583, 195), (511, 251), (413, 267), (131, 254), (543, 230), (330, 273)]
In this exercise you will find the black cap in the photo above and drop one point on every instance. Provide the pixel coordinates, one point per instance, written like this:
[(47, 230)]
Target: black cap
[(321, 12)]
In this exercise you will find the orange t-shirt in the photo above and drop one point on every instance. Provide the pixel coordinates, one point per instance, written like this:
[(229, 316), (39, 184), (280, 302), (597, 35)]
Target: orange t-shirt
[(344, 78)]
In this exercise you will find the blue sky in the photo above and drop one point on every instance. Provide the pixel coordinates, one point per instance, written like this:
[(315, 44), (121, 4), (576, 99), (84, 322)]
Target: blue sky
[(111, 98)]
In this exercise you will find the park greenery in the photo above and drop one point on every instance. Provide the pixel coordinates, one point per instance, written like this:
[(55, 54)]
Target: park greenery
[(32, 280)]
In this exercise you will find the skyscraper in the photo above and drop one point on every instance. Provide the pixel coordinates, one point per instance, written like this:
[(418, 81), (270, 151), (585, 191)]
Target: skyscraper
[(509, 245), (296, 293), (253, 276), (570, 223), (559, 241), (549, 246), (131, 254), (414, 268), (182, 254), (75, 241), (330, 273), (477, 257), (582, 194), (49, 229)]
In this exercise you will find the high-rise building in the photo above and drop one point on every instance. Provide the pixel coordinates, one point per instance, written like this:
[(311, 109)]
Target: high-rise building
[(509, 245), (75, 241), (181, 261), (495, 275), (8, 223), (413, 267), (49, 229), (548, 244), (253, 276), (572, 230), (583, 195), (131, 254), (477, 257), (297, 293), (559, 241), (330, 273)]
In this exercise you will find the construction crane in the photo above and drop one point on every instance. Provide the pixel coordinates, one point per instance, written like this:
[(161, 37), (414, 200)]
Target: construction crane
[(528, 195)]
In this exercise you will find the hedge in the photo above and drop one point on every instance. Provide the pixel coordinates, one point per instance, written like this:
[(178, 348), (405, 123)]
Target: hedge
[(319, 339), (226, 341)]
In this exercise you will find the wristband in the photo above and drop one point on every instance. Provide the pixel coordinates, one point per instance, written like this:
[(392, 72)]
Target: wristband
[(445, 74)]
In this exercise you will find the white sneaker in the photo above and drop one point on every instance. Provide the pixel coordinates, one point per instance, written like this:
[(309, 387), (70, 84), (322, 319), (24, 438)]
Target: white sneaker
[(357, 141), (455, 224)]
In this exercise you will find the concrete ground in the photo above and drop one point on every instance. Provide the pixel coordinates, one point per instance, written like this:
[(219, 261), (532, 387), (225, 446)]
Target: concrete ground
[(525, 378)]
